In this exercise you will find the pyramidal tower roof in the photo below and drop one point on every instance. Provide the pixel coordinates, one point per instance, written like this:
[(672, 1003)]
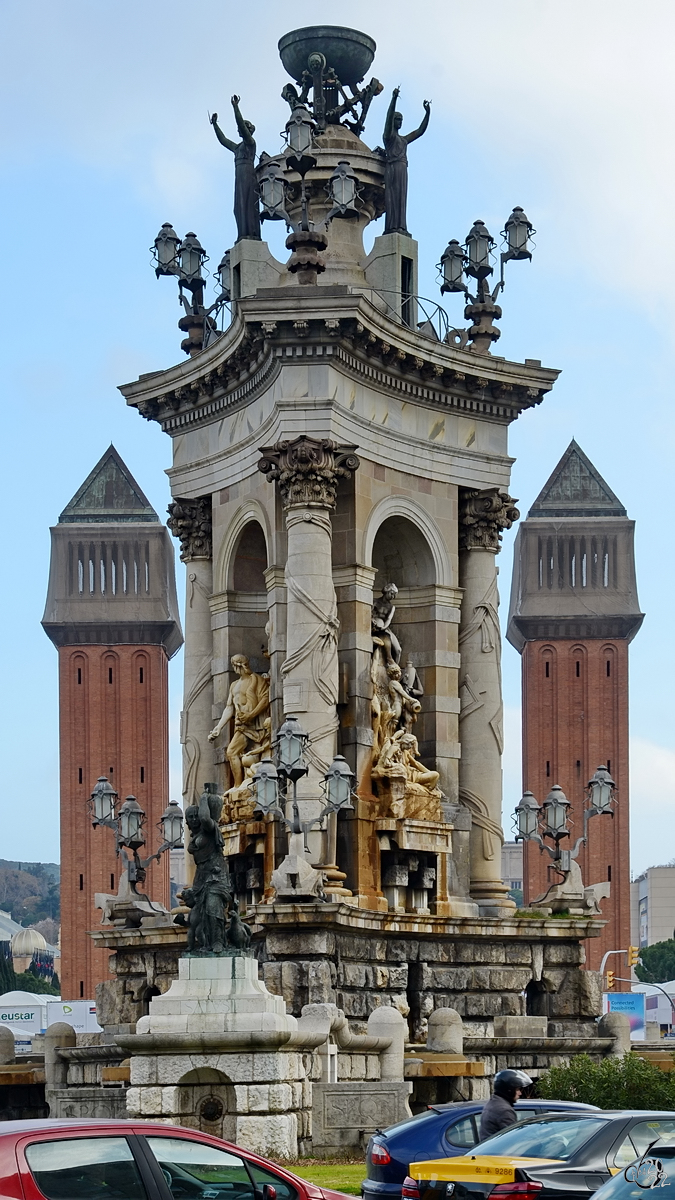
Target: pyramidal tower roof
[(576, 489), (109, 494)]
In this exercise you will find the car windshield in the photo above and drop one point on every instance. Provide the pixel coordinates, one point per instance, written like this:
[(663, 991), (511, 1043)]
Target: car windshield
[(542, 1139)]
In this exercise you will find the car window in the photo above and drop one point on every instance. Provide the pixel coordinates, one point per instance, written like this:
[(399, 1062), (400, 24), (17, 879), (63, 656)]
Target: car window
[(285, 1190), (544, 1138), (653, 1174), (462, 1133), (411, 1122), (639, 1138), (92, 1168), (193, 1169)]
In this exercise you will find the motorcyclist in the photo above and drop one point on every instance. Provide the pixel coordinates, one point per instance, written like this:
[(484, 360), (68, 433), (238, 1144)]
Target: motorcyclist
[(499, 1112)]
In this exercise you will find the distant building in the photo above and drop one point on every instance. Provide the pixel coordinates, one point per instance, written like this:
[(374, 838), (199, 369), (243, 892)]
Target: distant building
[(512, 869), (112, 613), (652, 906), (574, 610)]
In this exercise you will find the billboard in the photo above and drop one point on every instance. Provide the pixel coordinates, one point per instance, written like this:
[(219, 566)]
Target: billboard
[(633, 1005), (81, 1014), (24, 1019)]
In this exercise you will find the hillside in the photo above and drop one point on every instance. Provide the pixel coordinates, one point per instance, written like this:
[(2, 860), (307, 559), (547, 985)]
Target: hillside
[(29, 891)]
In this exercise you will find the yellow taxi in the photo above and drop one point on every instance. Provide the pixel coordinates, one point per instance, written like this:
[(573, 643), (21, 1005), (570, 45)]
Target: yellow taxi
[(557, 1155)]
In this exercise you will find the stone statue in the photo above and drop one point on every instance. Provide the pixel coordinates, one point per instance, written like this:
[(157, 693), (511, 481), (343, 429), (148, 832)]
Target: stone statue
[(209, 898), (411, 680), (409, 787), (248, 702), (246, 211), (382, 616), (396, 165)]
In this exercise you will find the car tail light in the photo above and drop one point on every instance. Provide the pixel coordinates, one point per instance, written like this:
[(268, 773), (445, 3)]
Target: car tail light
[(410, 1190), (379, 1155), (524, 1191)]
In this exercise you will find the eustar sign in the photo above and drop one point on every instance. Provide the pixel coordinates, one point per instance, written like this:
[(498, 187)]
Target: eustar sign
[(24, 1020)]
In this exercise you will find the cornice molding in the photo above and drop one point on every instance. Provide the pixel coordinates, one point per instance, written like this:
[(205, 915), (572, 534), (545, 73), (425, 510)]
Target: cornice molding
[(348, 330)]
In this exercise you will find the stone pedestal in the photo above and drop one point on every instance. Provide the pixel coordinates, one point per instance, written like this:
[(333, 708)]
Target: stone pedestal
[(210, 1055)]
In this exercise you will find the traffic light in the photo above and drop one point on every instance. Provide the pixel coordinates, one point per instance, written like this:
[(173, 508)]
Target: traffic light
[(609, 978), (633, 953)]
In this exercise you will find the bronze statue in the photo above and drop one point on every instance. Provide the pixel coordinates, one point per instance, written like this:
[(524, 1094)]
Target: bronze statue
[(209, 897), (396, 165), (246, 211)]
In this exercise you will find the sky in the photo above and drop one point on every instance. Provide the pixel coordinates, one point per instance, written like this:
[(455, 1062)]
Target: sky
[(566, 109)]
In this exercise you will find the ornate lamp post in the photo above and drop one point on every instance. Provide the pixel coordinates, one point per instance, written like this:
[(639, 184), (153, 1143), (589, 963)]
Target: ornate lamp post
[(474, 260), (534, 823), (185, 259), (337, 787), (127, 825)]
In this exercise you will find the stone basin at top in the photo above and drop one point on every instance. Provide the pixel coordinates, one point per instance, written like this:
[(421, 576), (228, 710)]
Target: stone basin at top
[(348, 51)]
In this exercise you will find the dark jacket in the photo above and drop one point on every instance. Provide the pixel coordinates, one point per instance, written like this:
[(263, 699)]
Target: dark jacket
[(497, 1114)]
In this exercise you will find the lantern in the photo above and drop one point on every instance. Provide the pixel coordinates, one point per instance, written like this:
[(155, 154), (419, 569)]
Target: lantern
[(527, 817), (166, 251), (102, 801), (452, 265), (192, 255), (131, 823), (517, 231), (223, 273), (479, 243), (291, 741), (299, 130), (555, 809), (272, 186), (601, 790), (337, 783), (171, 825), (342, 187), (266, 786)]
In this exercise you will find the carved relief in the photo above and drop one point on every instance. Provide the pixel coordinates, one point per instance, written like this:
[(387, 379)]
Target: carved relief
[(308, 470), (482, 517), (190, 522)]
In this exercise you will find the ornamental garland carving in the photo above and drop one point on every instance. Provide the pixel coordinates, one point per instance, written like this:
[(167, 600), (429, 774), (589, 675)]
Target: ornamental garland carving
[(190, 522), (308, 470), (482, 517)]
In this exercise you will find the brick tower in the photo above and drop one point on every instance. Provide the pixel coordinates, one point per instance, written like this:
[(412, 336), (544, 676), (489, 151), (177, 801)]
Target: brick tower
[(574, 610), (111, 611)]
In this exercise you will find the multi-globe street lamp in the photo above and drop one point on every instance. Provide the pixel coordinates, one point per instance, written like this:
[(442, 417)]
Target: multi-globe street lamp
[(127, 825)]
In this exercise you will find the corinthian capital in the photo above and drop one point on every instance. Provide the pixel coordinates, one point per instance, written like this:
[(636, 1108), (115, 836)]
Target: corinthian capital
[(482, 517), (190, 522), (308, 470)]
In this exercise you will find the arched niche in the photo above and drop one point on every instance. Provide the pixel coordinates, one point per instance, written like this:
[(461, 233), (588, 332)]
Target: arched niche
[(249, 561), (401, 554), (207, 1101)]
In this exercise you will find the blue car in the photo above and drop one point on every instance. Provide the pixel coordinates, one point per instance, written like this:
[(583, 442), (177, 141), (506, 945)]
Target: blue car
[(441, 1131)]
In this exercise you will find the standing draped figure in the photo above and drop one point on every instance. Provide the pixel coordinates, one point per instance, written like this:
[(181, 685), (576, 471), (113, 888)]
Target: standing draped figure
[(396, 165), (246, 211)]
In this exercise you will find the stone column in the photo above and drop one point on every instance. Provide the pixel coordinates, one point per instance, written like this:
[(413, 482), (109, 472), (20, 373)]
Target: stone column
[(307, 472), (483, 515), (190, 521)]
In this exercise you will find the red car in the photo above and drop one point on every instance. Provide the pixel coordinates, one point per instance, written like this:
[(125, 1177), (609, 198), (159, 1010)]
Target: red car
[(137, 1160)]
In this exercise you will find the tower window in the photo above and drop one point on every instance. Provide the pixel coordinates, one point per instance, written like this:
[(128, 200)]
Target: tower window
[(578, 668), (135, 578), (112, 882), (605, 569), (113, 576), (109, 674), (102, 576), (608, 668), (609, 873), (111, 770), (548, 769), (142, 774), (80, 575), (81, 989), (91, 576), (140, 675), (578, 767), (547, 669), (79, 674), (124, 576), (609, 765), (81, 883), (79, 775)]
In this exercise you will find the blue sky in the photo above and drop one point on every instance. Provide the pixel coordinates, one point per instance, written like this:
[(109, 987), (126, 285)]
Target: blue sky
[(567, 110)]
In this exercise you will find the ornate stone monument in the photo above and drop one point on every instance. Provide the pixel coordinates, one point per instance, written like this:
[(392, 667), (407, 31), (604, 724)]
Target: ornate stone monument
[(347, 470)]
